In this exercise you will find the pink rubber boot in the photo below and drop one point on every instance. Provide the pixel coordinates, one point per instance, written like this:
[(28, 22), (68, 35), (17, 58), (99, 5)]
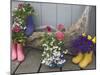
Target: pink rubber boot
[(14, 53), (20, 54)]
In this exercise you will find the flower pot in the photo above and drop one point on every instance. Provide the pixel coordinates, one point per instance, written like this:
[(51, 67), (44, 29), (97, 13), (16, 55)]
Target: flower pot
[(13, 52), (20, 53), (30, 26)]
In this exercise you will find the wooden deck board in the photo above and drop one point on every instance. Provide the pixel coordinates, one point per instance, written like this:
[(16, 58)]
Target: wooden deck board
[(69, 66), (14, 66), (32, 62), (45, 68)]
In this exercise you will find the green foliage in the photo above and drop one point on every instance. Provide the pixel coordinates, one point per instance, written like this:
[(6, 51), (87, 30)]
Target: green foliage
[(20, 14), (19, 37)]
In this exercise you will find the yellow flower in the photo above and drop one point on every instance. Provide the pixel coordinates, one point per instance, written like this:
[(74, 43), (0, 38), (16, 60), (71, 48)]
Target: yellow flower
[(83, 34), (94, 40), (89, 37)]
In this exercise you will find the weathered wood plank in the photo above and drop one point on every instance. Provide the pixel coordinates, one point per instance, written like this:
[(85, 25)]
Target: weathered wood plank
[(31, 63), (14, 65), (45, 68), (69, 66)]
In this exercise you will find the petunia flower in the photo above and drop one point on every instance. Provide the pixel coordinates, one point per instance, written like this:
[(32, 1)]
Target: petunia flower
[(20, 6), (48, 29), (16, 28)]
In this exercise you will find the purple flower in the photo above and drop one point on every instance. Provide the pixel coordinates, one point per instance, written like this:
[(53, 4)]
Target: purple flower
[(82, 44)]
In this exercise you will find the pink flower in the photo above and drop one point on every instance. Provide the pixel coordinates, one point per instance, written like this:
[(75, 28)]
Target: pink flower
[(16, 29), (48, 29), (59, 35), (60, 27), (20, 6)]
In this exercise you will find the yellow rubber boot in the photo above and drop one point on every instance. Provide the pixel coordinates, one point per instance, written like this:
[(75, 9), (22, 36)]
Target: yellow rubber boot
[(94, 40), (77, 58), (88, 57)]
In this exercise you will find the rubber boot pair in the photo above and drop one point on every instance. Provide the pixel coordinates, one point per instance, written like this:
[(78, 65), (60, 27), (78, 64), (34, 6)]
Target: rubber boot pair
[(83, 60), (17, 52)]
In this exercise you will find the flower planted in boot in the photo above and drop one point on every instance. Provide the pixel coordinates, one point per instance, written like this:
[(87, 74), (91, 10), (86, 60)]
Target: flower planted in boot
[(77, 58), (20, 54), (88, 57), (14, 56)]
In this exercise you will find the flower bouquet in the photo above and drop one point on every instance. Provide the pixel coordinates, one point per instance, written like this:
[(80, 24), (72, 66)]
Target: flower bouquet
[(53, 53)]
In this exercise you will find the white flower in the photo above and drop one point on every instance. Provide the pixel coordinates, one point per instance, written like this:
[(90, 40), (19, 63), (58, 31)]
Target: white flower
[(58, 54), (54, 47), (60, 42), (29, 12), (51, 49), (51, 43), (61, 61), (43, 61), (59, 48), (64, 61), (24, 28), (57, 58), (23, 9), (50, 64), (15, 9), (44, 45), (46, 48), (65, 52), (47, 62), (54, 52), (47, 55), (44, 52), (15, 24), (20, 22), (50, 59), (62, 55)]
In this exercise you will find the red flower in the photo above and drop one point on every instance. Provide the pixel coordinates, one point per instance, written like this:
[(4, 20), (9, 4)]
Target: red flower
[(20, 6), (60, 27), (48, 28), (16, 29), (59, 35)]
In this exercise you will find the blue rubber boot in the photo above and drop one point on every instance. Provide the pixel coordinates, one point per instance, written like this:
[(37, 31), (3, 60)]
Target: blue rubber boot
[(30, 26)]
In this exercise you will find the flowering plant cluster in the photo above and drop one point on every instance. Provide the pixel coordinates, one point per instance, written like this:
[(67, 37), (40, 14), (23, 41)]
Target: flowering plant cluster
[(83, 43), (53, 54), (19, 22)]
